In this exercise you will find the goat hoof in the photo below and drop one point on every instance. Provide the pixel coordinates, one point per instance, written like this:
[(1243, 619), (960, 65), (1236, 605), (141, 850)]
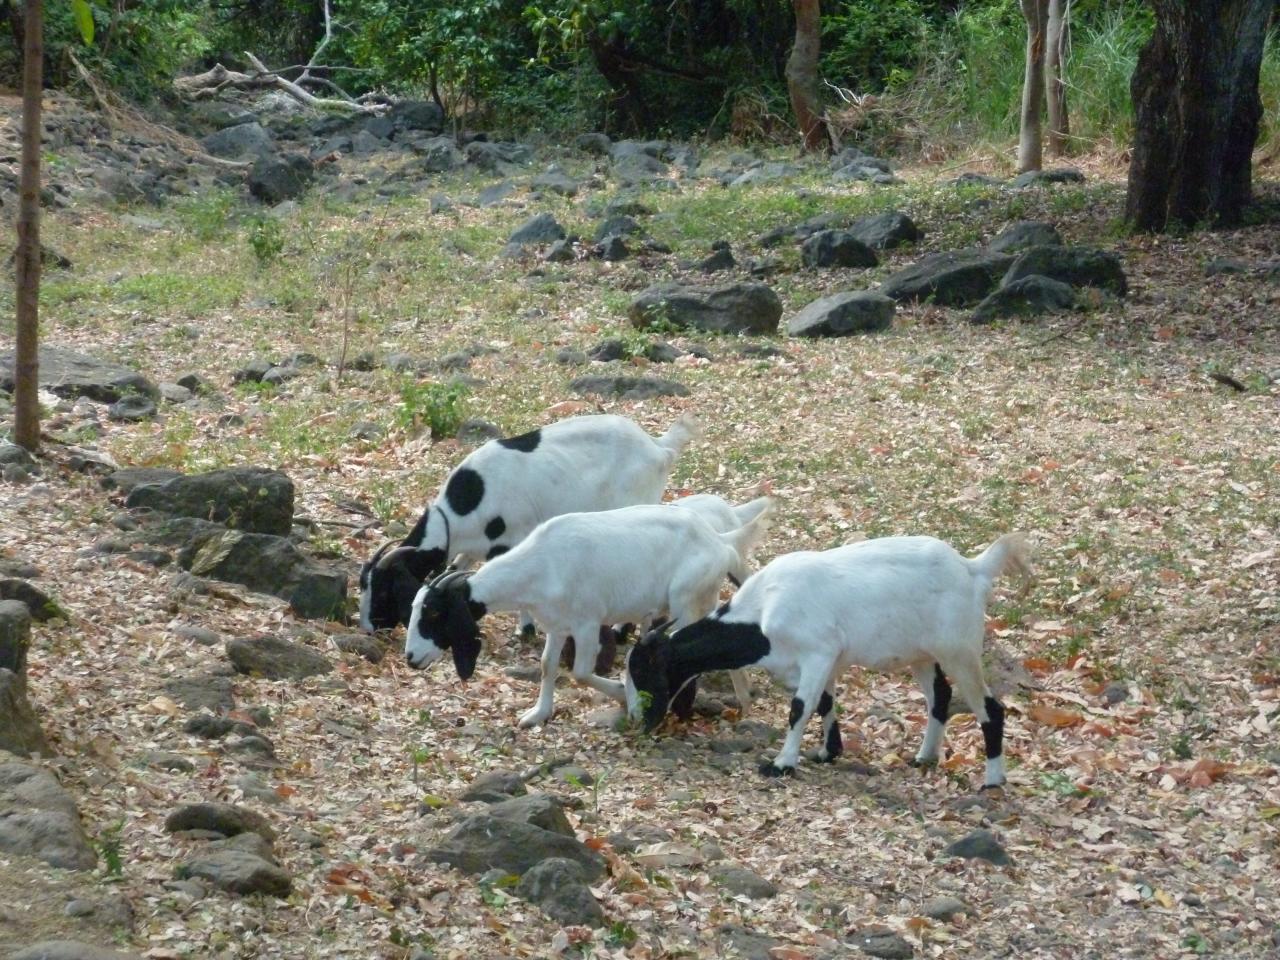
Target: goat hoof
[(771, 769), (532, 719), (821, 756), (995, 790), (528, 633), (923, 763)]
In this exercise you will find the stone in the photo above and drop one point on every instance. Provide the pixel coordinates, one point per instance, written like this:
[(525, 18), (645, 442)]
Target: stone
[(211, 727), (623, 205), (481, 843), (128, 478), (635, 169), (210, 693), (20, 730), (495, 786), (769, 172), (561, 251), (1078, 266), (410, 115), (748, 944), (1021, 234), (275, 658), (499, 156), (361, 644), (247, 842), (132, 408), (842, 314), (632, 836), (557, 885), (1040, 178), (164, 760), (943, 908), (743, 882), (242, 140), (542, 228), (197, 634), (751, 308), (276, 178), (1117, 691), (612, 249), (623, 149), (540, 809), (69, 374), (69, 950), (720, 259), (981, 845), (281, 374), (39, 604), (954, 279), (254, 499), (628, 388), (618, 225), (883, 943), (555, 181), (238, 872), (596, 143), (253, 371), (885, 231), (439, 155), (227, 819), (494, 195), (11, 453), (38, 818), (662, 352), (1030, 296)]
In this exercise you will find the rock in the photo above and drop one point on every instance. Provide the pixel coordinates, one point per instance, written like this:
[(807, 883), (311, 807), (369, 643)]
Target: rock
[(253, 371), (11, 453), (126, 479), (612, 249), (956, 279), (211, 727), (623, 205), (132, 408), (274, 179), (197, 634), (247, 842), (495, 786), (1021, 234), (635, 169), (280, 375), (483, 843), (841, 314), (225, 818), (39, 604), (571, 357), (210, 693), (416, 115), (971, 179), (492, 196), (662, 352), (764, 173), (1030, 296), (38, 818), (981, 845), (629, 388), (365, 430), (558, 887), (275, 658), (17, 568), (885, 231), (254, 499), (540, 809), (619, 225), (20, 731), (596, 143), (69, 950), (749, 944), (1040, 178), (883, 943), (741, 881), (943, 908), (541, 228), (554, 180), (361, 644), (439, 155), (242, 140), (724, 308), (164, 760), (500, 156), (1078, 266), (70, 374), (238, 872), (561, 251), (720, 259), (1117, 691), (15, 634), (867, 169), (633, 836)]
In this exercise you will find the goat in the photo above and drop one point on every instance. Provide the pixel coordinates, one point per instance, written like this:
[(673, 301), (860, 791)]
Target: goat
[(886, 604), (504, 489), (575, 572)]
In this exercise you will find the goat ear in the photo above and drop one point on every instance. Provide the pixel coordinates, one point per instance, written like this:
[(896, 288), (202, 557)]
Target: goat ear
[(466, 651), (424, 564), (464, 634), (682, 703)]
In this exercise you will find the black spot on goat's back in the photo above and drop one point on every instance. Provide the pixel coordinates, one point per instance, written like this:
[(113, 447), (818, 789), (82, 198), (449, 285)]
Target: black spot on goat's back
[(464, 491), (525, 443), (495, 528), (496, 550)]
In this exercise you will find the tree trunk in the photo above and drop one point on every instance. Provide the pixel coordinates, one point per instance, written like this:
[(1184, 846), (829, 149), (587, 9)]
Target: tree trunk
[(802, 77), (610, 59), (1036, 13), (1197, 113), (26, 373), (1057, 37)]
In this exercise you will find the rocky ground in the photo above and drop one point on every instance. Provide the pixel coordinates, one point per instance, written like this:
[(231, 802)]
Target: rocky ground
[(246, 360)]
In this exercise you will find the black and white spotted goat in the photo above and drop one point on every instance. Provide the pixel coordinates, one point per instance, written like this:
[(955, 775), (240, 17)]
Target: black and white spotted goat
[(894, 603), (580, 570), (503, 490)]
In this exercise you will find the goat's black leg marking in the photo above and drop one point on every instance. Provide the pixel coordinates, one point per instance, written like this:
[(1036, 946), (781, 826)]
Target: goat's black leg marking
[(941, 696), (993, 740), (938, 696), (832, 744), (797, 711), (769, 769)]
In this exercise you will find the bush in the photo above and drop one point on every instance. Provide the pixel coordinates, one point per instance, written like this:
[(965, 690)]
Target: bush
[(439, 407), (870, 45)]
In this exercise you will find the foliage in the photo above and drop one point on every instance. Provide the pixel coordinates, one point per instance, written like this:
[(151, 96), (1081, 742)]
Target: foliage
[(266, 239), (870, 45), (439, 407)]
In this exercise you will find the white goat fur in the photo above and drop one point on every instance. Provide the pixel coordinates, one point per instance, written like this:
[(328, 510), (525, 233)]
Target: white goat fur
[(580, 570), (886, 604)]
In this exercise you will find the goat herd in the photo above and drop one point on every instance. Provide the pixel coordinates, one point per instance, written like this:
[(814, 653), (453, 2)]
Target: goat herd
[(569, 521)]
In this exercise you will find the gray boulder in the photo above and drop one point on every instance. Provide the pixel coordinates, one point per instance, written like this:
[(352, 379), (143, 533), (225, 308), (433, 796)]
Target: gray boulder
[(597, 143), (554, 180), (39, 819), (236, 871), (416, 115), (625, 149), (279, 177), (1029, 296), (69, 950), (637, 168), (558, 886), (842, 314), (1021, 234), (980, 845), (202, 691), (254, 499), (39, 604), (539, 809), (15, 636), (884, 231), (132, 408), (481, 843), (956, 279), (439, 154), (500, 157), (227, 819), (1078, 266), (884, 944), (20, 731), (242, 140), (70, 374), (1040, 178), (542, 228), (764, 173), (495, 786), (723, 308), (836, 248), (629, 388), (739, 880), (618, 225), (275, 658)]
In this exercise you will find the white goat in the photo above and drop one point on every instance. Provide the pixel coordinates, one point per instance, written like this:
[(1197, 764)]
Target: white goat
[(576, 572), (895, 603), (503, 490)]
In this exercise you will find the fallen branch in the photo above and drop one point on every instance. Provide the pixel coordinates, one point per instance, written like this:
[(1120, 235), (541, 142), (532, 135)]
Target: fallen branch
[(212, 81)]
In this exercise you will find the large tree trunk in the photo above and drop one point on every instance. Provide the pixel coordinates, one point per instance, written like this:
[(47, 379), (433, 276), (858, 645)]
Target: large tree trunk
[(1057, 38), (1197, 111), (26, 374), (802, 76), (611, 60), (1036, 13)]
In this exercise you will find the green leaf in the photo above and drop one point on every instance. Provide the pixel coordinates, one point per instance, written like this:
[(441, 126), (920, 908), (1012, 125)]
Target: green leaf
[(83, 13)]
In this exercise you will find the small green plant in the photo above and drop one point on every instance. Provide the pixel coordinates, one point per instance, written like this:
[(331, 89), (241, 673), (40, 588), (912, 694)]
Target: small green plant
[(110, 844), (266, 239), (437, 406), (207, 215), (1195, 943), (621, 934), (1181, 747)]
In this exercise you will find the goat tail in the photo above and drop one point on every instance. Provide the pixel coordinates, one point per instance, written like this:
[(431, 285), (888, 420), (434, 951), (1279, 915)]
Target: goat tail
[(747, 512), (748, 536), (1012, 552), (680, 435)]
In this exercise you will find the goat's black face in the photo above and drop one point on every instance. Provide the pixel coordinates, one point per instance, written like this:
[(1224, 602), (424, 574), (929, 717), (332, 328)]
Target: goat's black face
[(444, 618), (389, 584), (647, 684)]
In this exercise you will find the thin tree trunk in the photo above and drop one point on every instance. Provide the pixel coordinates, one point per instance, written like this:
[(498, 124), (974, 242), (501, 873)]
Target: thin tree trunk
[(1197, 113), (26, 372), (1036, 13), (611, 61), (802, 77), (1057, 38)]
